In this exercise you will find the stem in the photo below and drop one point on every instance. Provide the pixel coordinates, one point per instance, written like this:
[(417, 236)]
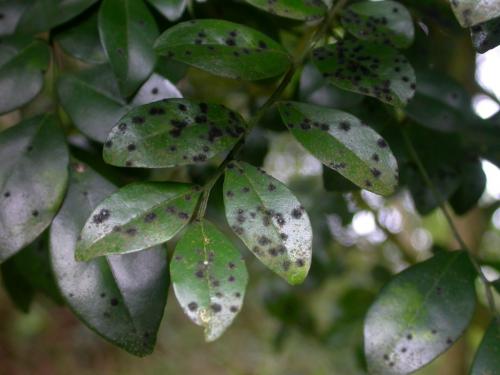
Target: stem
[(451, 224)]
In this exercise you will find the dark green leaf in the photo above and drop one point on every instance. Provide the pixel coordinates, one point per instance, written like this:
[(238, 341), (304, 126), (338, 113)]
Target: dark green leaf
[(127, 31), (82, 41), (269, 220), (17, 287), (209, 278), (11, 11), (472, 185), (299, 10), (386, 22), (487, 360), (472, 12), (92, 100), (486, 36), (420, 314), (366, 68), (225, 49), (137, 216), (172, 132), (334, 181), (171, 9), (122, 298), (33, 176), (22, 64), (340, 141), (496, 285), (42, 15)]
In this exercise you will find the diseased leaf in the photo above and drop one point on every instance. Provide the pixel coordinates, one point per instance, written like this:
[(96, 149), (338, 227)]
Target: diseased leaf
[(43, 15), (367, 68), (22, 64), (385, 22), (472, 12), (472, 185), (172, 132), (128, 30), (138, 216), (269, 219), (82, 41), (171, 9), (420, 314), (11, 11), (295, 9), (209, 278), (225, 49), (486, 36), (121, 297), (487, 359), (154, 89), (33, 176), (341, 142)]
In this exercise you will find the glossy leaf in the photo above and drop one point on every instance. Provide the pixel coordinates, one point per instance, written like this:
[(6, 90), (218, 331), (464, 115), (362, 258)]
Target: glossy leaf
[(225, 49), (472, 12), (154, 89), (486, 36), (487, 359), (295, 9), (128, 30), (269, 219), (43, 15), (472, 185), (369, 69), (341, 142), (92, 100), (420, 314), (120, 297), (22, 64), (33, 176), (171, 9), (386, 22), (137, 216), (11, 11), (82, 41), (172, 132), (209, 278)]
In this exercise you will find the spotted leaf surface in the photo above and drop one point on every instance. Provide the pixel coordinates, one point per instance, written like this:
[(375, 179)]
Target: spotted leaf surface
[(420, 314), (121, 297), (128, 30), (487, 359), (386, 22), (171, 9), (486, 36), (22, 64), (341, 142), (472, 12), (92, 100), (367, 68), (137, 216), (295, 9), (269, 219), (42, 15), (209, 278), (172, 132), (225, 49), (33, 176)]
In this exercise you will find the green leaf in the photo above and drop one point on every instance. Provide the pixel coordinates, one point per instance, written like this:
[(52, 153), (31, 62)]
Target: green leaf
[(172, 132), (138, 216), (127, 31), (487, 359), (225, 49), (11, 11), (420, 314), (366, 68), (122, 297), (43, 15), (171, 9), (22, 64), (17, 287), (92, 100), (386, 22), (295, 9), (334, 181), (472, 185), (82, 41), (33, 176), (341, 142), (472, 12), (209, 278), (269, 219), (154, 89), (496, 285), (486, 36)]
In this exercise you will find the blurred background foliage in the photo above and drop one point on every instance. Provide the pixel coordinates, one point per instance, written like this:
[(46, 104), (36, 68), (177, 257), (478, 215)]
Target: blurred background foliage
[(360, 239)]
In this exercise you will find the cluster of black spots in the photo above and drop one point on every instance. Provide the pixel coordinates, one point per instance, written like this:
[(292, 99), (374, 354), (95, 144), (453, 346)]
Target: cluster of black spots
[(150, 217), (345, 126), (113, 301), (192, 306), (138, 120), (131, 231), (156, 111), (297, 212), (200, 158), (101, 216), (370, 26), (122, 127), (263, 240), (216, 307), (280, 219)]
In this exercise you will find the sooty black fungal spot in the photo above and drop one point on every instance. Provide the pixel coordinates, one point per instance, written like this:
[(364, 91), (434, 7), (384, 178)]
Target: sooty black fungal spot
[(296, 213), (131, 147), (138, 120), (35, 213), (192, 306), (183, 215), (216, 307), (6, 194), (199, 274), (150, 217), (231, 279), (101, 216), (154, 91), (131, 231), (381, 143), (113, 302)]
